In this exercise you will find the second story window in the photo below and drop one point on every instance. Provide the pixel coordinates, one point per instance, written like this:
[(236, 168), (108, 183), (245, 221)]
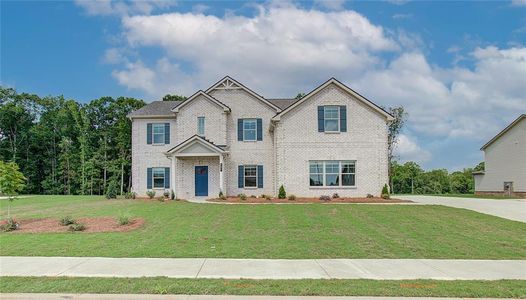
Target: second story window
[(249, 129), (201, 126), (332, 118), (158, 133)]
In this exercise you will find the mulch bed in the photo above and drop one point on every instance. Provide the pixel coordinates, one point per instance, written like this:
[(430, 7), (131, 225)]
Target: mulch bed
[(96, 224), (309, 200)]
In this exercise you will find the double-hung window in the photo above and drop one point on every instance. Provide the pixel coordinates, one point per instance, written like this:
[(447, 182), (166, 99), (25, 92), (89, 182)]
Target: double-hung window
[(331, 116), (251, 176), (158, 178), (249, 130), (201, 126), (332, 173), (158, 133)]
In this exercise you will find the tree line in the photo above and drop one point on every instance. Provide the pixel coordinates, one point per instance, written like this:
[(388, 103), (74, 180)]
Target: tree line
[(66, 147)]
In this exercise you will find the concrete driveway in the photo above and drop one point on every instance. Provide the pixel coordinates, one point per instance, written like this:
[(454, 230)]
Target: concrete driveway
[(509, 209)]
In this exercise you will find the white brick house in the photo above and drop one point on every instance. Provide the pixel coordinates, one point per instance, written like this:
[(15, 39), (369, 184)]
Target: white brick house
[(230, 139)]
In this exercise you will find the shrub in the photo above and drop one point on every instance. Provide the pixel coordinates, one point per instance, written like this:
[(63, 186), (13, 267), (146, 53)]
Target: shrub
[(292, 197), (242, 196), (282, 194), (325, 198), (67, 220), (166, 194), (160, 199), (253, 196), (130, 195), (335, 196), (124, 219), (370, 196), (385, 192), (172, 195), (150, 194), (222, 196), (268, 197), (113, 190), (9, 225), (76, 227)]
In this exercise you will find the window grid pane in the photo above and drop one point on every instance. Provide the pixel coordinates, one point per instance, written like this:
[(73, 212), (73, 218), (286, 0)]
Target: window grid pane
[(158, 133), (250, 176), (249, 129), (332, 173), (158, 177), (331, 116), (201, 125)]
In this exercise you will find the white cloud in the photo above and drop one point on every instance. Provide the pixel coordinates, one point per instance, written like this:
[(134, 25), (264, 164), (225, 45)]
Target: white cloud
[(407, 149), (518, 2), (122, 7)]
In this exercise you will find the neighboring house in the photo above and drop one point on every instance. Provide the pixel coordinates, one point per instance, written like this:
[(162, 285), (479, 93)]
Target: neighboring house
[(504, 162), (230, 139)]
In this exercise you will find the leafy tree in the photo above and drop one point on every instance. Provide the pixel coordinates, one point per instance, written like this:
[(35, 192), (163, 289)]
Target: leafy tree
[(169, 97), (479, 167), (11, 182), (282, 194), (299, 96), (395, 127)]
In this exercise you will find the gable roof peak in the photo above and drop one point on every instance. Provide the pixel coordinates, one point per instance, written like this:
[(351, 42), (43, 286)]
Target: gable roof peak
[(197, 94)]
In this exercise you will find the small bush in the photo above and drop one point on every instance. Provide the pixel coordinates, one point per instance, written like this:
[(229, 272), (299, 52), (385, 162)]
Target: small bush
[(130, 195), (150, 194), (263, 196), (370, 196), (282, 194), (9, 225), (160, 199), (124, 219), (222, 196), (325, 198), (385, 192), (113, 190), (172, 195), (268, 197), (76, 227), (253, 196), (166, 194), (292, 197), (242, 196), (67, 220), (335, 196)]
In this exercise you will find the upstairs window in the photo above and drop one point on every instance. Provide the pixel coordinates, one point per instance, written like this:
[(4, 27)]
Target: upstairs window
[(249, 129), (332, 118), (158, 133), (201, 126)]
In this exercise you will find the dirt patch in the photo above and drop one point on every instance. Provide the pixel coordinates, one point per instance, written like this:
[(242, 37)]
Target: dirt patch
[(96, 224), (309, 200)]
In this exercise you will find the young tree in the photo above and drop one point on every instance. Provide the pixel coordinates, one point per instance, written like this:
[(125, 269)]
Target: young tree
[(169, 97), (12, 181), (395, 127)]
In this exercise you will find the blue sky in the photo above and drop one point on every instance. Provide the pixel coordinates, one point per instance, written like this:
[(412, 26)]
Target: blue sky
[(459, 68)]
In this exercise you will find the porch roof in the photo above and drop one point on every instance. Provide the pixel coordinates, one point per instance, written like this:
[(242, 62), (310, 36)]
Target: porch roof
[(196, 146)]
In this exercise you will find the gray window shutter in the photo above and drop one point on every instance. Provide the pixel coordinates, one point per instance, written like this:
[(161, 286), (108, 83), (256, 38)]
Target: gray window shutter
[(167, 133), (149, 178), (149, 133), (239, 129), (260, 176), (259, 129), (343, 118), (240, 176), (166, 178), (321, 119)]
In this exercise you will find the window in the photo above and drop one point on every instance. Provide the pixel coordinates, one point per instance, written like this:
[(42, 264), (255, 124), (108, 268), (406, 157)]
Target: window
[(158, 133), (249, 129), (158, 178), (332, 173), (331, 116), (201, 126), (250, 176)]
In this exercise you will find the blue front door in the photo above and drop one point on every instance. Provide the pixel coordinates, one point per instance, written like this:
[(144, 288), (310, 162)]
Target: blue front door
[(201, 180)]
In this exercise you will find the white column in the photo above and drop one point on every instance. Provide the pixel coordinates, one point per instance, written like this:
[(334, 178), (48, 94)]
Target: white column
[(221, 177), (172, 176)]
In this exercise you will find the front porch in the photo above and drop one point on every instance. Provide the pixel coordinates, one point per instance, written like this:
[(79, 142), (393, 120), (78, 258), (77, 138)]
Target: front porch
[(197, 169)]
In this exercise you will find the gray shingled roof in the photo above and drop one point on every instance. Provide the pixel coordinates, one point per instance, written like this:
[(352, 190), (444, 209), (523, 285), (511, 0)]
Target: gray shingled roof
[(283, 103), (156, 108)]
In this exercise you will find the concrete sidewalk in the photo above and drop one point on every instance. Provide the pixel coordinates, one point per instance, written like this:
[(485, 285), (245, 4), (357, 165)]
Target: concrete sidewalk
[(202, 297), (509, 209), (395, 269)]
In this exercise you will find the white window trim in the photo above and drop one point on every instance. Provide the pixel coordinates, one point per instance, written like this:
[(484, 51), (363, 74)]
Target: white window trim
[(323, 173), (325, 119), (163, 134), (245, 176), (153, 179), (199, 127), (255, 130)]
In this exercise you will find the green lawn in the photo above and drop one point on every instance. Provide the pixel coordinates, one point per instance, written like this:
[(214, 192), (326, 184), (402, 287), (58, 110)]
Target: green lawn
[(318, 287), (179, 229)]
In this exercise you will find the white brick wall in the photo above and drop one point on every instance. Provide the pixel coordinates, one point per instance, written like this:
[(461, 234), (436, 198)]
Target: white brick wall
[(293, 143), (298, 141)]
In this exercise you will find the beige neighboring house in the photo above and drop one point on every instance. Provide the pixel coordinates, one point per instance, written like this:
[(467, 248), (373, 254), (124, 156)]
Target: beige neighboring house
[(230, 139), (505, 162)]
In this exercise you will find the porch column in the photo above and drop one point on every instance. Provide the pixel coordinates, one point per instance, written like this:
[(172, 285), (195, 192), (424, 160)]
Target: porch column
[(172, 176), (221, 177)]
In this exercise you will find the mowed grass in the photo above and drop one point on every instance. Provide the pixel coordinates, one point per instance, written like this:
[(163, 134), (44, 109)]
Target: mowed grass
[(314, 287), (178, 229)]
